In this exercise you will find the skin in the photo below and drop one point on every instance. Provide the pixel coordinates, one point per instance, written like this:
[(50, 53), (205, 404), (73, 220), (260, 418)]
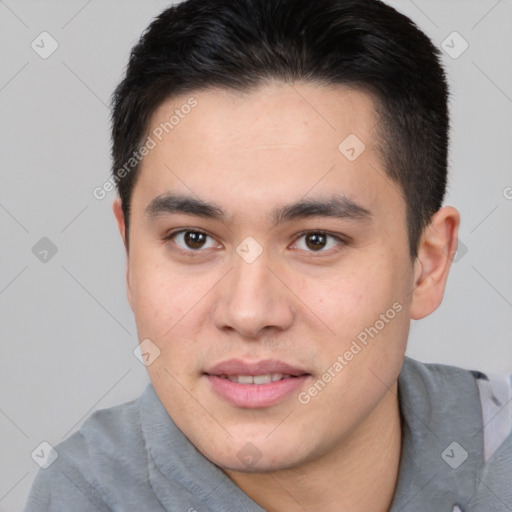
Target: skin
[(248, 153)]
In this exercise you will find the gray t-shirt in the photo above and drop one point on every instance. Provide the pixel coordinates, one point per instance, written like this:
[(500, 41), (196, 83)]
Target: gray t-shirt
[(456, 455)]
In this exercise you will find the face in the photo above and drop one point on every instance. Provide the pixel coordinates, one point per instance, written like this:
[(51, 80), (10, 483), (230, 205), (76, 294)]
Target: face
[(269, 268)]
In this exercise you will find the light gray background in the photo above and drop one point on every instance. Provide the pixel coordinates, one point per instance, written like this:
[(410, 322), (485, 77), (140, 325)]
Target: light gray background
[(67, 332)]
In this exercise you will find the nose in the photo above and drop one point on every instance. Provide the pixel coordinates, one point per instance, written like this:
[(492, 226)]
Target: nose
[(253, 299)]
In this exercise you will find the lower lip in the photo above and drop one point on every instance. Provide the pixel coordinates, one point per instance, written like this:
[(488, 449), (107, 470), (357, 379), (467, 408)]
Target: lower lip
[(253, 396)]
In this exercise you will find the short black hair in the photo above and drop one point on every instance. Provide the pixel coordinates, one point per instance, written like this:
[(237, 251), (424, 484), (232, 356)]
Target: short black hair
[(241, 44)]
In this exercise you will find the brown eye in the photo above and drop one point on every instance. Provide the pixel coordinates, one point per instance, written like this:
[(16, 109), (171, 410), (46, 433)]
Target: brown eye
[(191, 240), (318, 241), (194, 239)]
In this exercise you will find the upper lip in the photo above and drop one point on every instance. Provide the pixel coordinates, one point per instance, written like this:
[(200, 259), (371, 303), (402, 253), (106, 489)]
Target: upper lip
[(239, 367)]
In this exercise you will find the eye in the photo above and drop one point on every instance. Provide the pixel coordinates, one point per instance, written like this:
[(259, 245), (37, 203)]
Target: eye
[(190, 240), (316, 241)]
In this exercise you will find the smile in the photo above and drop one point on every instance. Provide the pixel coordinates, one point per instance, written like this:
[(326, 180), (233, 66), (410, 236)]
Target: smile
[(265, 378)]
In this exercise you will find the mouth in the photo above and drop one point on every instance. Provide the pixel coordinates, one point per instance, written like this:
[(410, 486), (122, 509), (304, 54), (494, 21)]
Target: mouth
[(265, 378), (255, 385)]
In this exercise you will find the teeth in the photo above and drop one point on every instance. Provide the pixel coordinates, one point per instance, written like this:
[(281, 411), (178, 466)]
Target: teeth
[(257, 379), (262, 379)]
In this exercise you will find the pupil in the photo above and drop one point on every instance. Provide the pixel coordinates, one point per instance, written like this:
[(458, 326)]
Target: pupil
[(194, 239), (318, 240)]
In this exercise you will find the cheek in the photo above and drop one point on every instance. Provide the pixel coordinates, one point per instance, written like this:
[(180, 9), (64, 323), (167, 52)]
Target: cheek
[(170, 305), (368, 312), (368, 306), (164, 314), (356, 297), (158, 295)]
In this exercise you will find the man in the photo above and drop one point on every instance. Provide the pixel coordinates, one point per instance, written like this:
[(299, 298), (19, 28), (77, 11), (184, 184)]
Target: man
[(281, 167)]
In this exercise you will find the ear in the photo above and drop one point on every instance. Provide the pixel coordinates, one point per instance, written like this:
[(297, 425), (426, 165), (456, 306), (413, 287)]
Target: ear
[(117, 207), (436, 251)]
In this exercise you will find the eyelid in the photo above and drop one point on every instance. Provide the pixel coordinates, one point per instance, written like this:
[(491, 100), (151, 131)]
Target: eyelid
[(171, 234)]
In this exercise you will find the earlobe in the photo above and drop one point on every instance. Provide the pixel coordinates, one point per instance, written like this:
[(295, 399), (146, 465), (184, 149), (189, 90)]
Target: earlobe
[(119, 215), (436, 250)]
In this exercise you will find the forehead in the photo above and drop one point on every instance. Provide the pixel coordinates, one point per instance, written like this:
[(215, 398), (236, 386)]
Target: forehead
[(274, 113), (273, 144)]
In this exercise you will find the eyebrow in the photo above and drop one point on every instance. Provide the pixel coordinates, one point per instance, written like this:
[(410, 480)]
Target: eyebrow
[(338, 207)]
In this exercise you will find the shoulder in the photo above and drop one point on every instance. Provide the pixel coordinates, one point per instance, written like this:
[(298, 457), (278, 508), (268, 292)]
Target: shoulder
[(434, 375), (465, 414), (461, 388), (109, 442), (495, 392), (494, 481)]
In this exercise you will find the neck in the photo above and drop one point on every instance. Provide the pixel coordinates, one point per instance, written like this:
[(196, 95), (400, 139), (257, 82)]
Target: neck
[(358, 475)]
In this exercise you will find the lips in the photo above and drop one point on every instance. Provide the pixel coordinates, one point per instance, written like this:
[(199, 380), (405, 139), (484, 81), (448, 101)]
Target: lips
[(255, 385), (269, 366)]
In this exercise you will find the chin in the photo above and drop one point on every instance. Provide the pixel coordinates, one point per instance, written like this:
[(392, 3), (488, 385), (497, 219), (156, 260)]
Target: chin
[(263, 465), (258, 456)]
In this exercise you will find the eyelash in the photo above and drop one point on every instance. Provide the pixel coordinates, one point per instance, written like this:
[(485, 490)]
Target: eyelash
[(196, 253)]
